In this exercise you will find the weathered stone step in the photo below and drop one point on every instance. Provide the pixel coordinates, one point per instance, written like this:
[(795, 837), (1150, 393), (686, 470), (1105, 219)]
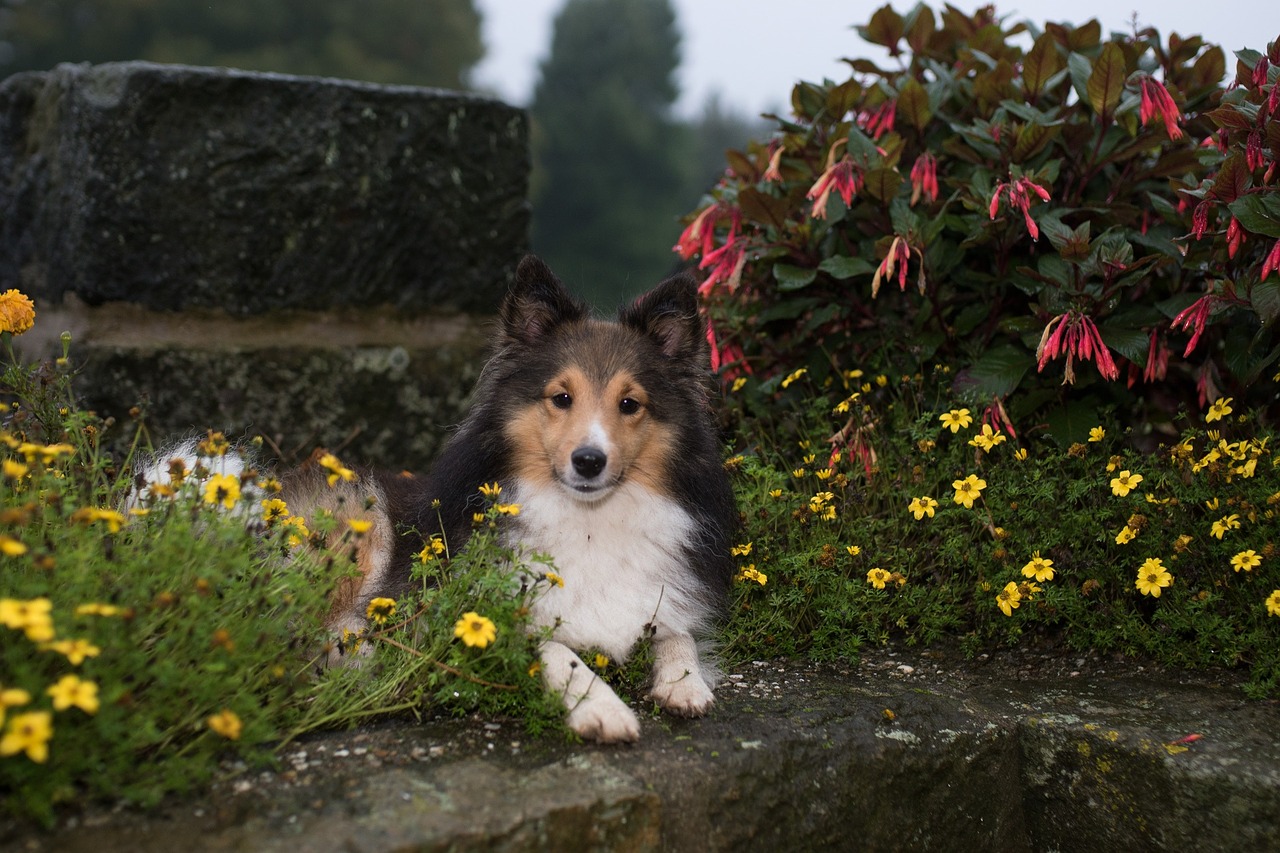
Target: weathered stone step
[(900, 753)]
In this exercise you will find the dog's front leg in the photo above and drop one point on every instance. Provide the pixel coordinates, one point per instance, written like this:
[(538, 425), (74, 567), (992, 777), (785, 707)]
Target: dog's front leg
[(595, 711), (679, 683)]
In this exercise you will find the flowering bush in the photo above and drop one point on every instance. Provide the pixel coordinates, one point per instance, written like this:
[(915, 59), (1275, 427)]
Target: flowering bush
[(946, 535), (140, 646), (1089, 221)]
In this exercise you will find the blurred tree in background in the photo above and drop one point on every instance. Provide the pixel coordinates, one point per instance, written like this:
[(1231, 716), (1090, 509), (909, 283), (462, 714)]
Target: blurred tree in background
[(420, 42), (608, 153)]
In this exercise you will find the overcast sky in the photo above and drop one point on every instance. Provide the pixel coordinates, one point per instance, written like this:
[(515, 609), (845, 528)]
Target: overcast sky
[(753, 51)]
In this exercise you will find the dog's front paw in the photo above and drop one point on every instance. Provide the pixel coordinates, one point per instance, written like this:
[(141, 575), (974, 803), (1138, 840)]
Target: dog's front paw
[(688, 696), (604, 719)]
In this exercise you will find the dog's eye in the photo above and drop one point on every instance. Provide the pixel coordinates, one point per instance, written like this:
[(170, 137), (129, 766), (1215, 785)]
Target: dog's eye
[(628, 406), (561, 400)]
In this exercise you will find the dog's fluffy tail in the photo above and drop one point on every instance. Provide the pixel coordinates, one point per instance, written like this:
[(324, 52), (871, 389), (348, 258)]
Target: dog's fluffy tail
[(173, 465)]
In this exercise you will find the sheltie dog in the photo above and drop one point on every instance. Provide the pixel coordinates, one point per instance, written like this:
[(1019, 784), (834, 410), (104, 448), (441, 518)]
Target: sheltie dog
[(602, 432)]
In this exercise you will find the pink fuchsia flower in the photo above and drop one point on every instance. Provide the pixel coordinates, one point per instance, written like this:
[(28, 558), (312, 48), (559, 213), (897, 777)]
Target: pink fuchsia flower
[(1272, 262), (1193, 319), (1235, 237), (924, 178), (1019, 193), (1157, 359), (1200, 220), (1156, 101), (774, 170), (726, 265), (879, 121), (1075, 335), (700, 235), (897, 258), (843, 175)]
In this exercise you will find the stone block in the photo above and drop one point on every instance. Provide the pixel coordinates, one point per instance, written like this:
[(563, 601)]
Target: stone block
[(175, 187)]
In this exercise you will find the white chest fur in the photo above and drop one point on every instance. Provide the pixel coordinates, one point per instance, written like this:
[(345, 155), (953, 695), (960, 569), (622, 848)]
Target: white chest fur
[(622, 561)]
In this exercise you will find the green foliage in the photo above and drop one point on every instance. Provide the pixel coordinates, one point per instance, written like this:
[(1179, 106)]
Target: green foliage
[(608, 155), (874, 546), (187, 637), (432, 43), (1027, 216)]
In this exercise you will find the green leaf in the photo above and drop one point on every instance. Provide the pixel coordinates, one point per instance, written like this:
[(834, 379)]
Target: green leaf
[(1232, 180), (1265, 298), (1258, 214), (1106, 81), (843, 267), (1080, 68), (884, 28), (913, 104), (1133, 344), (1032, 139), (763, 208), (997, 373), (1041, 63), (882, 184), (790, 277)]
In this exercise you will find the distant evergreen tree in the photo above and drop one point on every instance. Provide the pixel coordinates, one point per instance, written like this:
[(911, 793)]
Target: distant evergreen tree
[(421, 42), (611, 164)]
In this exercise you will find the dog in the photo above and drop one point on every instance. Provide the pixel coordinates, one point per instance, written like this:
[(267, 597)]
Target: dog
[(603, 433)]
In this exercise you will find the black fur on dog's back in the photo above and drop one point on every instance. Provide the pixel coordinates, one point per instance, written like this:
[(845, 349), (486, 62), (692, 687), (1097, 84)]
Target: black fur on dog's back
[(661, 338)]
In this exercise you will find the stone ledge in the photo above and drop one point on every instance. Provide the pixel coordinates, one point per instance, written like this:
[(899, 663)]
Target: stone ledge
[(792, 758), (175, 187)]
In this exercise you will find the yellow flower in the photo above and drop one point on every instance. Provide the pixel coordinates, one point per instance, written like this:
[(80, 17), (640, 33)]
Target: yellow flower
[(213, 444), (490, 491), (29, 733), (1246, 560), (226, 723), (968, 489), (92, 515), (12, 697), (360, 526), (878, 577), (956, 420), (21, 615), (273, 510), (1152, 577), (740, 550), (507, 509), (535, 668), (922, 506), (1009, 598), (601, 661), (75, 651), (1020, 454), (1125, 483), (11, 547), (1039, 568), (854, 550), (1222, 525), (554, 579), (1220, 409), (794, 376), (738, 384), (380, 609), (1097, 434), (298, 532), (222, 489), (798, 473), (73, 692), (749, 573), (1126, 535), (775, 493), (14, 470), (987, 439), (1273, 603), (475, 630), (337, 472), (17, 313), (823, 474)]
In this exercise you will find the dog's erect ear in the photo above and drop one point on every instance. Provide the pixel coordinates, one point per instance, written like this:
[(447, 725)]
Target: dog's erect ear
[(537, 303), (669, 314)]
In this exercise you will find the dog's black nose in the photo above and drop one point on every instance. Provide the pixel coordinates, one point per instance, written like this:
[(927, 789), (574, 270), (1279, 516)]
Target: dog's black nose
[(588, 461)]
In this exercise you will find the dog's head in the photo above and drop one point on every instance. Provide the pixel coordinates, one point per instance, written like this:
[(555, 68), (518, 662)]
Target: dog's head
[(598, 403)]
